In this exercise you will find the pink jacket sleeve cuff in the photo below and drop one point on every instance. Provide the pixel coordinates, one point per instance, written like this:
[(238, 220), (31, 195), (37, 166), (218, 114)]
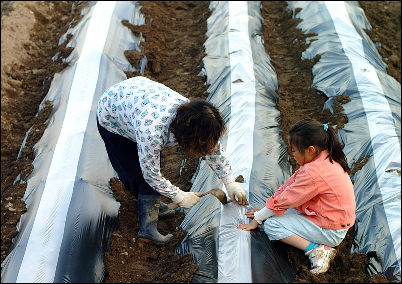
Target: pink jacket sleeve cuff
[(270, 205)]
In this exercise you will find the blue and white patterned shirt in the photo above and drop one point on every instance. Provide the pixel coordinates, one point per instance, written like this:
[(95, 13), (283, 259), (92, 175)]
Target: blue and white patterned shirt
[(142, 110)]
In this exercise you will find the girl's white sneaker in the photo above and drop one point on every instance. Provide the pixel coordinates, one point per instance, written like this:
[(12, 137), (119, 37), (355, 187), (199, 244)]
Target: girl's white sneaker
[(320, 258)]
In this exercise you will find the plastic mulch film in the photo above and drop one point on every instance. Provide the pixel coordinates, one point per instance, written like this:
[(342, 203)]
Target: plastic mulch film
[(350, 65), (71, 211), (242, 84)]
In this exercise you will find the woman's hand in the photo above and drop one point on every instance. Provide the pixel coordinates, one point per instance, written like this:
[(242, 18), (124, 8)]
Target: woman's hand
[(248, 227), (250, 213), (185, 200), (234, 189)]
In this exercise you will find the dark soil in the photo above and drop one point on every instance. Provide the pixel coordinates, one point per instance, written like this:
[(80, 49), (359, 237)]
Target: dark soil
[(174, 48)]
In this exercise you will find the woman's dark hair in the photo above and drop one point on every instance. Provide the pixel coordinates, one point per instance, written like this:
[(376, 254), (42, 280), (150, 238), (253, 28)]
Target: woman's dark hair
[(309, 132), (197, 126)]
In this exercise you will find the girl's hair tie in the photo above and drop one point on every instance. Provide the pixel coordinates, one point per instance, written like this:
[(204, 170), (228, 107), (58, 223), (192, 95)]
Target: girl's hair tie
[(325, 126)]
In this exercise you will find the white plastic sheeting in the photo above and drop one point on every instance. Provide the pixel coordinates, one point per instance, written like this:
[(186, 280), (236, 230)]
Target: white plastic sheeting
[(242, 84), (350, 65), (239, 146), (71, 212)]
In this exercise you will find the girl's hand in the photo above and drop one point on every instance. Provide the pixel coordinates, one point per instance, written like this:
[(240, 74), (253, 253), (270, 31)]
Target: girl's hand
[(250, 213), (248, 227)]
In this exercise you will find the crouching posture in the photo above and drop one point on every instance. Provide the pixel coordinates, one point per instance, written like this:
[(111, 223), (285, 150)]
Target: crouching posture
[(138, 117), (315, 207)]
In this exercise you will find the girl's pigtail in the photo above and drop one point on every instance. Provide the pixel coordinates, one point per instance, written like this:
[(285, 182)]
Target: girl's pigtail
[(335, 150)]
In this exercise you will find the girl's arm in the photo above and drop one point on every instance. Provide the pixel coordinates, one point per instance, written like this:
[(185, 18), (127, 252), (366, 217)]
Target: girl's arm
[(298, 192), (286, 184)]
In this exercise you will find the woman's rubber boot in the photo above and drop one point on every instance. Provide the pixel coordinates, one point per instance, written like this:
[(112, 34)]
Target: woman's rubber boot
[(164, 211), (148, 209)]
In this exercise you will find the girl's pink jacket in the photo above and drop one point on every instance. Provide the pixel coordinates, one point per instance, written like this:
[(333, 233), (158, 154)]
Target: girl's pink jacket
[(322, 191)]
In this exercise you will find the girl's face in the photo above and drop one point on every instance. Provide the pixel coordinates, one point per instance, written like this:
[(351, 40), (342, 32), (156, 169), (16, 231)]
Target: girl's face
[(305, 157), (299, 157)]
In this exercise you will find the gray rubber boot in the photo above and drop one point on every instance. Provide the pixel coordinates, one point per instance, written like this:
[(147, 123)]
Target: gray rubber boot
[(164, 210), (148, 209)]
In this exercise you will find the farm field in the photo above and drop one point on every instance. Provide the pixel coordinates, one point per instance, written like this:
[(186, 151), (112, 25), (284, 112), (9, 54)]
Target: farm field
[(174, 47)]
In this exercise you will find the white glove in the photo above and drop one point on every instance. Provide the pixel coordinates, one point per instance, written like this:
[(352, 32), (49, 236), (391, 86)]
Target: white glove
[(233, 190), (186, 200)]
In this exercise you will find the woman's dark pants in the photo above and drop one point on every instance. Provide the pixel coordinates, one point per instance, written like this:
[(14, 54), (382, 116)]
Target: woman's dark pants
[(123, 156)]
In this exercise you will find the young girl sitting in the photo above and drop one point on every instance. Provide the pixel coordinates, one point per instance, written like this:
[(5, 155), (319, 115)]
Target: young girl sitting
[(315, 207)]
